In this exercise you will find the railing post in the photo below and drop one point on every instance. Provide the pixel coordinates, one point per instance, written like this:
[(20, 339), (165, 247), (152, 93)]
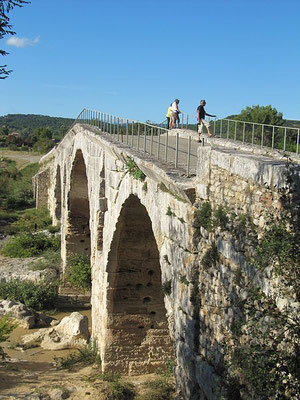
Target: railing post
[(273, 137), (284, 143), (227, 129), (151, 143), (145, 138), (114, 128), (187, 121), (138, 139), (221, 128), (126, 131), (244, 128), (235, 128), (132, 127), (118, 129), (262, 135), (253, 127), (176, 150), (166, 148), (158, 148), (182, 121), (297, 149), (188, 156), (122, 134), (110, 128), (215, 121)]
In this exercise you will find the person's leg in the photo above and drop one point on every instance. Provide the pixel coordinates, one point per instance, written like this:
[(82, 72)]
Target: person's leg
[(168, 122), (199, 131), (207, 125)]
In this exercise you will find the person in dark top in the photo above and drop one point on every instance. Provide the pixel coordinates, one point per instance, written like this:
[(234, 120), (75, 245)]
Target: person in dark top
[(201, 119)]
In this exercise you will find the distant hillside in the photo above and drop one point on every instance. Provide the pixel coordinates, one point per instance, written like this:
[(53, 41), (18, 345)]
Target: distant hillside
[(28, 123)]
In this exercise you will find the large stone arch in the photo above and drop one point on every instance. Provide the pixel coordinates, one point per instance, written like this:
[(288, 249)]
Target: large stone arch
[(77, 238), (138, 338)]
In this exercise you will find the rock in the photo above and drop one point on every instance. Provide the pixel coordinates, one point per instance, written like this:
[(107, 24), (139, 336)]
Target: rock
[(71, 332), (58, 394), (27, 318)]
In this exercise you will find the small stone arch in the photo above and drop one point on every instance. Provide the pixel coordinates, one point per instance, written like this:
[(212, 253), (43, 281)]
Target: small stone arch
[(78, 223), (138, 338)]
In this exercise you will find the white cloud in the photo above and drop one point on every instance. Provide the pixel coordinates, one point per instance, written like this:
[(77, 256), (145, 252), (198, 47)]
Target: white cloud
[(22, 42)]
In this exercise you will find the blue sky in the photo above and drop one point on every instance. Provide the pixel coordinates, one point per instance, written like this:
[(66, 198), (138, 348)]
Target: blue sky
[(133, 57)]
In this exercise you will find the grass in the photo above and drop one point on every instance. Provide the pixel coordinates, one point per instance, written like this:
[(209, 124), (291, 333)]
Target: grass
[(79, 272), (85, 356)]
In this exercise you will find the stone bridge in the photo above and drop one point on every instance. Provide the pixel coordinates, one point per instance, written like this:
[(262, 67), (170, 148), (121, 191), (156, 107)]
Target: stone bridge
[(147, 247)]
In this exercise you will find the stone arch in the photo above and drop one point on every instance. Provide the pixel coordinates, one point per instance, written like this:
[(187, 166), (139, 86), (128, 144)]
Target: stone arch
[(58, 195), (138, 334), (78, 224)]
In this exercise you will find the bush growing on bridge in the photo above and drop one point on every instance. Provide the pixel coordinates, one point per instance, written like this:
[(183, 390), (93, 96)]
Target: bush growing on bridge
[(134, 170)]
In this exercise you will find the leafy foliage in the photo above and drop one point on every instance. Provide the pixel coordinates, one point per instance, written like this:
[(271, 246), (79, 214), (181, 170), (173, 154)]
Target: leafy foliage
[(38, 296), (28, 244), (134, 170), (6, 326), (203, 215), (5, 28), (261, 115), (79, 274)]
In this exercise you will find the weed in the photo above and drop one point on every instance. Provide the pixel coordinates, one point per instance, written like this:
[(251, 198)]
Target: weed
[(204, 216), (211, 256), (134, 170), (169, 212), (166, 258), (220, 217), (85, 356), (6, 326), (144, 187), (167, 287), (181, 220), (51, 260), (184, 280)]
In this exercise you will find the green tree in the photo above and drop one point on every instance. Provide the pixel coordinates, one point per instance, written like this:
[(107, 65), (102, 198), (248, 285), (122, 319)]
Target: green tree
[(5, 28), (261, 115)]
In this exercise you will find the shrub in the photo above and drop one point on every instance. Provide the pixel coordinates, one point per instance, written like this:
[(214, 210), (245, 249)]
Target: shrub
[(134, 170), (204, 216), (167, 287), (30, 245), (38, 296), (51, 260), (221, 218), (79, 274), (6, 326)]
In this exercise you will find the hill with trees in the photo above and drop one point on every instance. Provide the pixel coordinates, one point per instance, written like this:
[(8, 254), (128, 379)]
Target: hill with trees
[(26, 124)]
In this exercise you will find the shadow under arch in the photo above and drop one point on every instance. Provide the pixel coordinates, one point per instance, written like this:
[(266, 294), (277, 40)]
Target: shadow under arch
[(138, 333), (78, 225), (58, 194)]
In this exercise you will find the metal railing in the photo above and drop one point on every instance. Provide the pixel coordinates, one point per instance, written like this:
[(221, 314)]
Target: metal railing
[(153, 140), (277, 137)]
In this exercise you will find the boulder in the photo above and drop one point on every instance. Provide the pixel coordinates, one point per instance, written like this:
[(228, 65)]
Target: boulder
[(71, 332)]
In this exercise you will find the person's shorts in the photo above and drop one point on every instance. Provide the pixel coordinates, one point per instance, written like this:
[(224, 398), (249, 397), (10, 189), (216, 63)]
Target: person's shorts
[(175, 116), (203, 122)]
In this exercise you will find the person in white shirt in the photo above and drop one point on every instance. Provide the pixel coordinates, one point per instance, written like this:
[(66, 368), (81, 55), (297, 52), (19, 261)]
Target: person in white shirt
[(175, 113)]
